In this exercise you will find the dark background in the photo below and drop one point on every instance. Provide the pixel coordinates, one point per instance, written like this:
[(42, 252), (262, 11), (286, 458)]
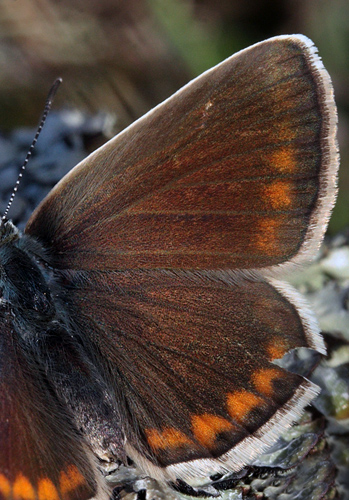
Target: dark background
[(125, 56)]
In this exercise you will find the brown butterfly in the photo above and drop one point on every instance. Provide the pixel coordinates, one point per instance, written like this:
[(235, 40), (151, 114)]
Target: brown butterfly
[(143, 307)]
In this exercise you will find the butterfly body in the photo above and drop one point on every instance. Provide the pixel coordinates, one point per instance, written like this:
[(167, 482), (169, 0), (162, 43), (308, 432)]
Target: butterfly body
[(143, 308)]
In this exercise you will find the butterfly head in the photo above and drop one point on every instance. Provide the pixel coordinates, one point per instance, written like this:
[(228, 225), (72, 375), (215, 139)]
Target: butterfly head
[(8, 232)]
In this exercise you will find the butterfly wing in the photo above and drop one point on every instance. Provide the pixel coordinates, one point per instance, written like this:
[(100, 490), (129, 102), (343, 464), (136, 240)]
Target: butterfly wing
[(237, 170), (191, 362), (41, 454)]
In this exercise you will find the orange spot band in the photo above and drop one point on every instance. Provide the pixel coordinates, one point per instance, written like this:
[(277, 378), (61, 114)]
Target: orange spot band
[(284, 159), (206, 427), (268, 236), (263, 380), (5, 486), (47, 490), (240, 403), (276, 350), (278, 195), (168, 438), (70, 479), (23, 489)]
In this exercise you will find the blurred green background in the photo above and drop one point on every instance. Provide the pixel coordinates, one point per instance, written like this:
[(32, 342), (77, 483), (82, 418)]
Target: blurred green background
[(126, 56)]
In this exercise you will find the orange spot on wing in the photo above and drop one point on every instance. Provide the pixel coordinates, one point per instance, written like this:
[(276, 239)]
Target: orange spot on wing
[(168, 438), (278, 195), (268, 236), (23, 489), (240, 403), (47, 490), (284, 160), (263, 380), (206, 428), (276, 350), (5, 486), (70, 479)]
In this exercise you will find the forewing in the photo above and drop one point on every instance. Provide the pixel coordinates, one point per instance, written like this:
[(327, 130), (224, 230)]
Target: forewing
[(41, 454), (236, 170), (190, 360)]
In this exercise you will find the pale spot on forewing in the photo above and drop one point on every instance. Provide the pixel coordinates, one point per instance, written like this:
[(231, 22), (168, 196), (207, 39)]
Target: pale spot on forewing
[(283, 160), (278, 195), (207, 427), (276, 349), (263, 380), (268, 236)]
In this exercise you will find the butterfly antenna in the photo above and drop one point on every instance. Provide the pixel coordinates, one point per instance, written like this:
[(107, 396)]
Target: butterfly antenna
[(47, 108)]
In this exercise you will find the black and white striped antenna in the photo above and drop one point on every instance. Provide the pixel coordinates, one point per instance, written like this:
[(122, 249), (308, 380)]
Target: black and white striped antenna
[(47, 108)]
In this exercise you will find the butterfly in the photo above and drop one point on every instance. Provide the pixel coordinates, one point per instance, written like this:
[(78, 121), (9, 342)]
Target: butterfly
[(144, 306)]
